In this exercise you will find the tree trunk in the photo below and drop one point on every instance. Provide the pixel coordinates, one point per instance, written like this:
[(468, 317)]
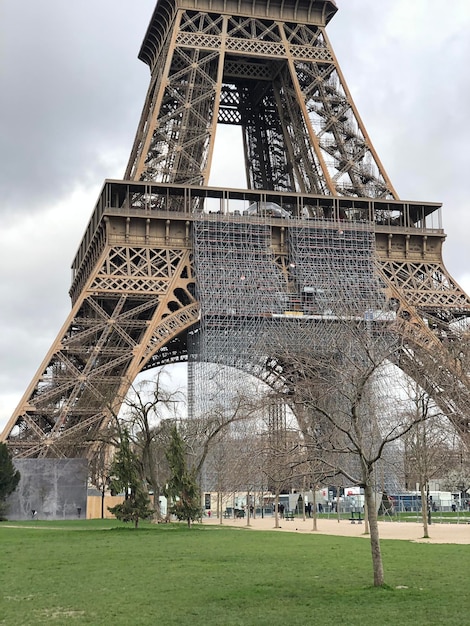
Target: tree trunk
[(155, 499), (314, 507), (276, 509), (303, 498), (219, 507), (366, 518), (248, 500), (103, 492), (338, 508), (424, 510), (377, 564)]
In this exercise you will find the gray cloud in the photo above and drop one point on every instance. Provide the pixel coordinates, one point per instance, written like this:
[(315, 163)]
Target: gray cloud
[(71, 93)]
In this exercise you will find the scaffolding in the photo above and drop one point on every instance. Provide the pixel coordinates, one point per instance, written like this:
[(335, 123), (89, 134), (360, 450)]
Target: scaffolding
[(332, 267), (239, 286), (253, 300)]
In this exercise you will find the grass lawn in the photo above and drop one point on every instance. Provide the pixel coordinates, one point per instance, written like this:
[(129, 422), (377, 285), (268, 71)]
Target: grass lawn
[(101, 572)]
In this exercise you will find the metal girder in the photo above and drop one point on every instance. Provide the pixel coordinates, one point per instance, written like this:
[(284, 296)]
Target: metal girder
[(303, 119), (136, 300), (134, 307), (269, 68)]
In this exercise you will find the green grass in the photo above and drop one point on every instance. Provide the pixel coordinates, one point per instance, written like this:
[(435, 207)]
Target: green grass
[(100, 572)]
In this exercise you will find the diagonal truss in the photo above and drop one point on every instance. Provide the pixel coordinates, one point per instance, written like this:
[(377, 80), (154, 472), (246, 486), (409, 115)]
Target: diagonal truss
[(279, 80), (138, 298)]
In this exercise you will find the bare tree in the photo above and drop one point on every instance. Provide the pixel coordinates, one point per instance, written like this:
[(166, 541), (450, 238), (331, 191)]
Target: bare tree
[(279, 449), (458, 477), (147, 413), (225, 416), (221, 439), (218, 465), (427, 446), (315, 470), (342, 388), (254, 459)]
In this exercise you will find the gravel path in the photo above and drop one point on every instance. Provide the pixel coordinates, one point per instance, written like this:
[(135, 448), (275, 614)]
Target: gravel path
[(408, 531)]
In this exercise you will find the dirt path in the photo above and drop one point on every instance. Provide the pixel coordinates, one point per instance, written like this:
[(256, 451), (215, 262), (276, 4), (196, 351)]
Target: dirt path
[(408, 531)]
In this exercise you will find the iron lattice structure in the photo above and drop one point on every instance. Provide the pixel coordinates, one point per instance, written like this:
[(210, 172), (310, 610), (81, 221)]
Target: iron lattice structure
[(260, 288), (319, 222)]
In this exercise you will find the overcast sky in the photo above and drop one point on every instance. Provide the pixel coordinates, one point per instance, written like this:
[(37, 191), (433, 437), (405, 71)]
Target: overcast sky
[(71, 93)]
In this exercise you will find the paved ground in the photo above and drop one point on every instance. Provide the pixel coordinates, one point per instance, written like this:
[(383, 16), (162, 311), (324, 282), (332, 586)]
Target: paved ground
[(408, 531)]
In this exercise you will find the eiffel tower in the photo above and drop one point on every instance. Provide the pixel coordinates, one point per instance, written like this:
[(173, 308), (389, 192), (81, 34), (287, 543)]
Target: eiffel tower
[(166, 259)]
